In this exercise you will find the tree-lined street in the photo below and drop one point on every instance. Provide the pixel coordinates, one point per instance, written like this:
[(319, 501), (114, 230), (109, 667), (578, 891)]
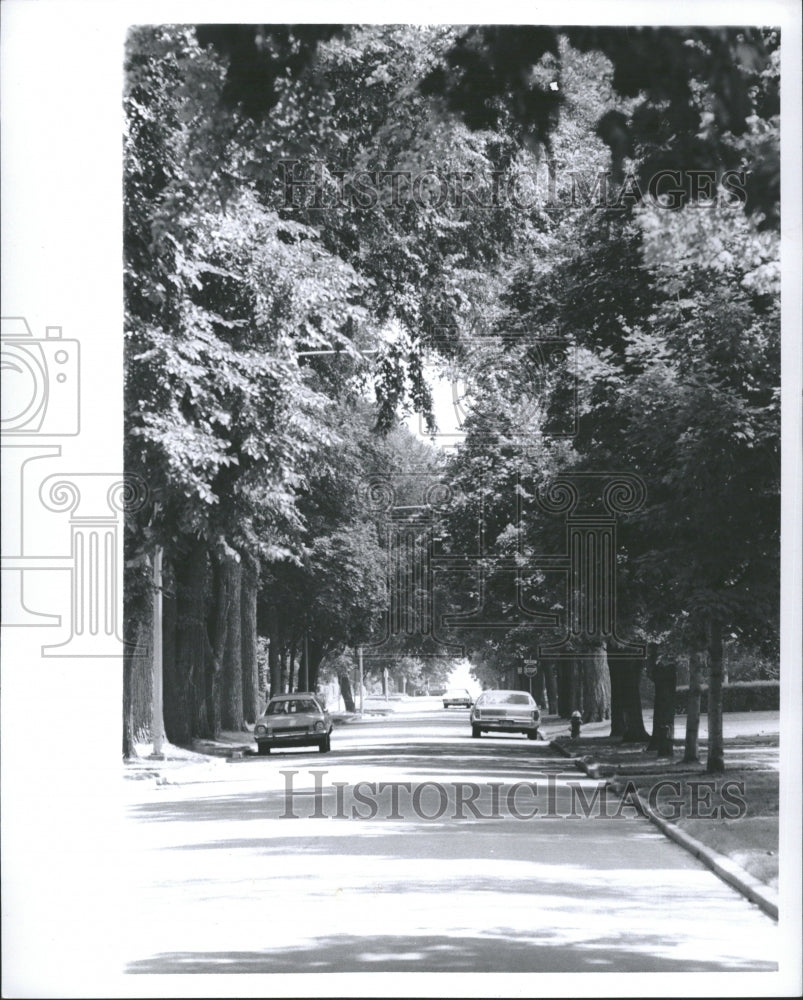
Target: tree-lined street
[(578, 226), (568, 238), (224, 883)]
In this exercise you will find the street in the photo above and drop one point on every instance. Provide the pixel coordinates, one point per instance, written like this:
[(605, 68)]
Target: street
[(412, 847)]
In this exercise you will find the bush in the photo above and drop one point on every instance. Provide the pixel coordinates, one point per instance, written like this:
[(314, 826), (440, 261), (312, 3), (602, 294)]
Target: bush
[(743, 696)]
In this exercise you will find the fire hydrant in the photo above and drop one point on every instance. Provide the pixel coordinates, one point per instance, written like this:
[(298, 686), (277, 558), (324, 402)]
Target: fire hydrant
[(575, 721)]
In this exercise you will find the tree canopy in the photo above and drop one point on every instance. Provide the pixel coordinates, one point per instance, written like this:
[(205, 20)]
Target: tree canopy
[(581, 223)]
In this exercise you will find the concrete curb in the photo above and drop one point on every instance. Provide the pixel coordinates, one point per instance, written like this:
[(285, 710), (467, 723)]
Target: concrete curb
[(721, 866)]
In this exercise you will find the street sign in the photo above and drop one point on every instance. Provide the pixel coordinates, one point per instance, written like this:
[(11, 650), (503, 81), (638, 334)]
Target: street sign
[(530, 671)]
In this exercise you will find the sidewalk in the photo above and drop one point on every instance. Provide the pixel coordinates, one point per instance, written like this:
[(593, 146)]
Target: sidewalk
[(208, 759), (729, 821)]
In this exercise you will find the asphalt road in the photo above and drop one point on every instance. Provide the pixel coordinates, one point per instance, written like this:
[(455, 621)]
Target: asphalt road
[(413, 848)]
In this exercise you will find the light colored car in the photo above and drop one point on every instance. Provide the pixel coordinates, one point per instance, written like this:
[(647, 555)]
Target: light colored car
[(293, 720), (457, 696), (505, 712)]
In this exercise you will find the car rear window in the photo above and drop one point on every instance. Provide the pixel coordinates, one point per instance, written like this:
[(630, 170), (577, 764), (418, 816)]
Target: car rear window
[(291, 707), (505, 698)]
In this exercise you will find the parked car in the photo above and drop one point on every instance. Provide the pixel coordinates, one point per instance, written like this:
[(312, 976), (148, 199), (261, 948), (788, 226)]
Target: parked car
[(505, 712), (293, 720), (457, 696)]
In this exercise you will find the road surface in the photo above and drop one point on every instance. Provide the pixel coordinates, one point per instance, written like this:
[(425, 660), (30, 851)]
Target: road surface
[(412, 847)]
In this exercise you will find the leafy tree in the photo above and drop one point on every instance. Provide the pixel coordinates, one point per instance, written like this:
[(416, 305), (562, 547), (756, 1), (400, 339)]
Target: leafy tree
[(221, 417), (702, 98)]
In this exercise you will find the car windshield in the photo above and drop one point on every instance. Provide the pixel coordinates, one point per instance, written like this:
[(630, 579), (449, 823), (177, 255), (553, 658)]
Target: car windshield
[(457, 693), (290, 707), (505, 698)]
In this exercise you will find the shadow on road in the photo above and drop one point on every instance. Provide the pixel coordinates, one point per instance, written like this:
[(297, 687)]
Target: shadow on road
[(344, 953)]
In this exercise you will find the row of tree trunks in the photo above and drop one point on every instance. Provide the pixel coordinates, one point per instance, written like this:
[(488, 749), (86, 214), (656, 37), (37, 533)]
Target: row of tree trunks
[(581, 685), (210, 644)]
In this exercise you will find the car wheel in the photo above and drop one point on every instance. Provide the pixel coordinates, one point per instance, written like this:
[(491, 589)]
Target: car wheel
[(532, 734), (325, 745), (263, 749), (475, 732)]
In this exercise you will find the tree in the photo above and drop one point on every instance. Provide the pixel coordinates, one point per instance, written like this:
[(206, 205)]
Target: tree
[(221, 418), (684, 409), (695, 98)]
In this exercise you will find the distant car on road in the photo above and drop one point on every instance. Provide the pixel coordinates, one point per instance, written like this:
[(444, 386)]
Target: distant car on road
[(293, 720), (457, 696), (505, 712)]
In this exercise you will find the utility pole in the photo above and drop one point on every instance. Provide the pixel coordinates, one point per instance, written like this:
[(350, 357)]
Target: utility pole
[(157, 700), (306, 660)]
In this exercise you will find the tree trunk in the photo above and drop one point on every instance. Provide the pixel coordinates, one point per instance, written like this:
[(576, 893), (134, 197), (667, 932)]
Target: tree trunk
[(217, 636), (634, 731), (664, 676), (564, 670), (129, 742), (345, 690), (231, 715), (316, 654), (693, 707), (274, 659), (291, 667), (184, 649), (137, 679), (142, 679), (250, 586), (551, 688), (617, 669), (596, 682), (657, 702), (538, 684), (716, 751)]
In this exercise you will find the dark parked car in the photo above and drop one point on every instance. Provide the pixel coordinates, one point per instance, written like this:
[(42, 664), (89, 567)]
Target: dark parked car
[(505, 712), (293, 720)]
